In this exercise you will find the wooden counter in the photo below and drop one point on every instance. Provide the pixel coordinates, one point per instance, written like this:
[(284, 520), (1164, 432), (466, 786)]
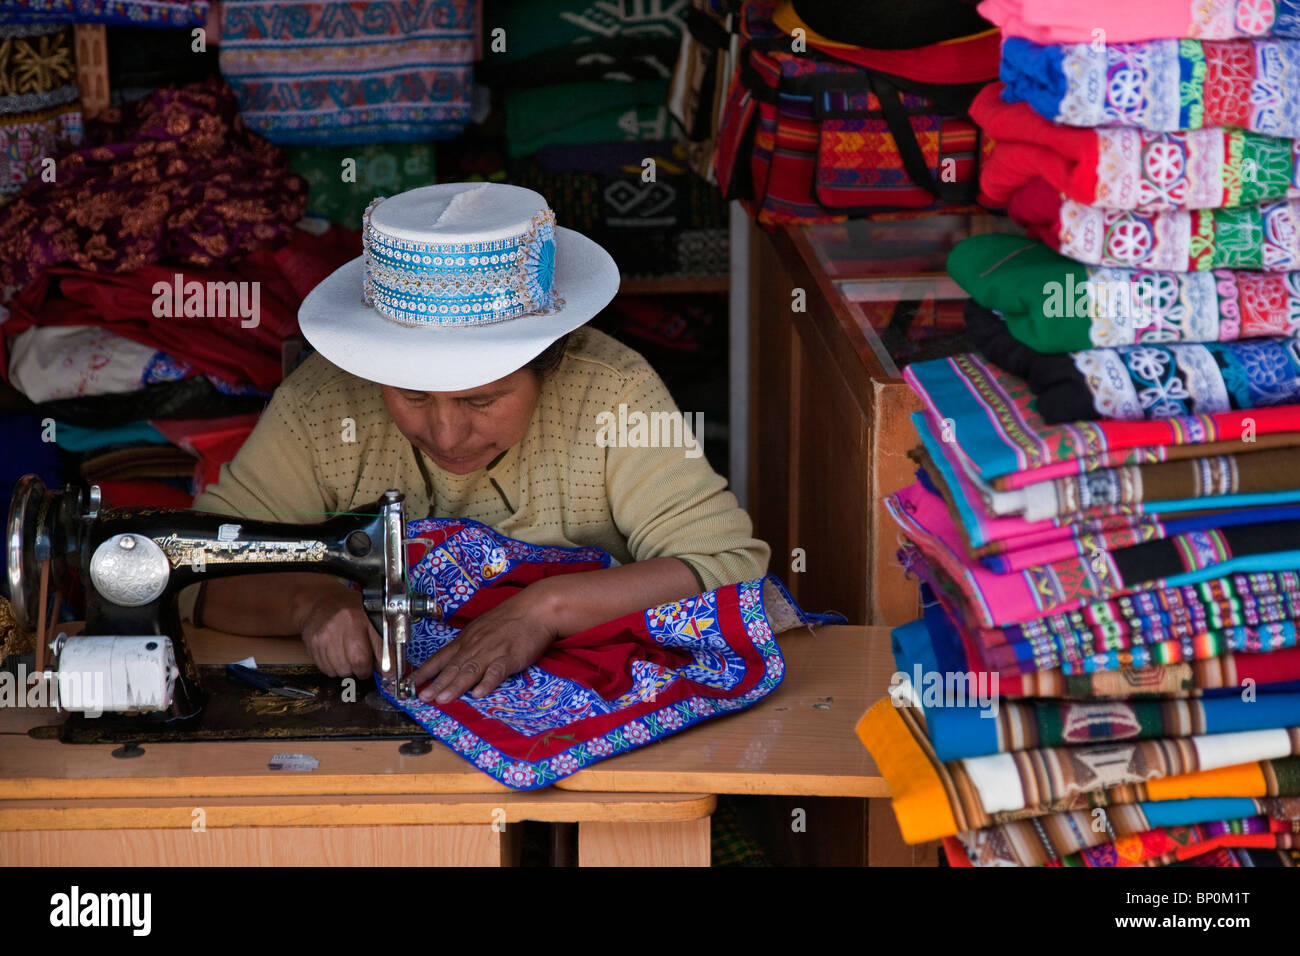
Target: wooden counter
[(214, 803)]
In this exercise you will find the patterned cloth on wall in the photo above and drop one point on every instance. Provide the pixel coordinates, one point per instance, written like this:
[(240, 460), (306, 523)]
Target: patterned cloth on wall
[(332, 72), (601, 692), (177, 178), (140, 13), (537, 26), (673, 226), (563, 41), (40, 104), (381, 169), (1162, 85)]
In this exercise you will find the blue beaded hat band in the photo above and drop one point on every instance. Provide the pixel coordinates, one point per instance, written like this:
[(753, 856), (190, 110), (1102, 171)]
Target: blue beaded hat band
[(460, 284)]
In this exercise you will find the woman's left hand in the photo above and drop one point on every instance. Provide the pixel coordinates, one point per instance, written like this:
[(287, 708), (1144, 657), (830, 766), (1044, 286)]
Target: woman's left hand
[(492, 647)]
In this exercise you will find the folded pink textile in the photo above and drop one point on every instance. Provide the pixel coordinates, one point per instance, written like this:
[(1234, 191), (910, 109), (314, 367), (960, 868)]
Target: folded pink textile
[(1130, 21)]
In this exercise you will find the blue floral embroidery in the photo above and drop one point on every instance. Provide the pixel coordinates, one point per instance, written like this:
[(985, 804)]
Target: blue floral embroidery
[(540, 705)]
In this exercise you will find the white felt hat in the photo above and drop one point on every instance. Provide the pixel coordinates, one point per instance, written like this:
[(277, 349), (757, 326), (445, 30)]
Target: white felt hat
[(460, 284)]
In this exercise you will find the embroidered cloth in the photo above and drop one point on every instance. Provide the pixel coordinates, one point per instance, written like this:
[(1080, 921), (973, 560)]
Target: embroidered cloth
[(40, 103), (1149, 381), (135, 13), (368, 71), (1117, 167), (1260, 236), (993, 423), (1054, 304), (936, 644), (1160, 85), (605, 691), (178, 179)]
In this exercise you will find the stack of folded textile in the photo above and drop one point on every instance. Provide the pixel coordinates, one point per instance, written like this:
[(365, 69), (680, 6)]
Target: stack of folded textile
[(40, 104), (1107, 672), (584, 87), (147, 288)]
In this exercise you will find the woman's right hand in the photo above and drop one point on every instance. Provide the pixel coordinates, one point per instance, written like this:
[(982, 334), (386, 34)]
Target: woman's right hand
[(337, 632)]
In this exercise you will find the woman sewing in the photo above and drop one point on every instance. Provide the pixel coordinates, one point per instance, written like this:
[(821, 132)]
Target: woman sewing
[(452, 365)]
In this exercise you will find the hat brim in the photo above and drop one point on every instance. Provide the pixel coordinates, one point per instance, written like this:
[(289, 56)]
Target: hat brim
[(363, 341)]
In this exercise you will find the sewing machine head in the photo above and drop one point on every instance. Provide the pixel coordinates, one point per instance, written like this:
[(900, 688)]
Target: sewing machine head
[(133, 562)]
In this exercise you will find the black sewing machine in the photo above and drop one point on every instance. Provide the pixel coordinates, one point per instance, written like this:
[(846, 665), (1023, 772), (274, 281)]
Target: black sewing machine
[(132, 564)]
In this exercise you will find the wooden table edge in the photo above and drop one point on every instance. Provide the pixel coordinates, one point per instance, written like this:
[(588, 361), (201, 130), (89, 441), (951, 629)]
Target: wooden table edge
[(670, 781), (321, 811)]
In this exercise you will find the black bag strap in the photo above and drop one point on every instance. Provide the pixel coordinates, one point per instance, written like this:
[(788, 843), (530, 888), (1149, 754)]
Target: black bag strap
[(706, 30), (909, 150)]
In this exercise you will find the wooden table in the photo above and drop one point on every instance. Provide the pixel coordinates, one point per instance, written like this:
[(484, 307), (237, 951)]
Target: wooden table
[(209, 803)]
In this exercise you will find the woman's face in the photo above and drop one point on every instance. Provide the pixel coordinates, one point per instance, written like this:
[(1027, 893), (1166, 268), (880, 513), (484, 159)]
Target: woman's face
[(463, 431)]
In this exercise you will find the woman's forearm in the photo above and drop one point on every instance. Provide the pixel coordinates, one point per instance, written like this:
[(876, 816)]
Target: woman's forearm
[(266, 605), (579, 601)]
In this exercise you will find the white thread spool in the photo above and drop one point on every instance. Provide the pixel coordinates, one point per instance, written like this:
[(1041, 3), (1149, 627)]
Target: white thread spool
[(113, 674)]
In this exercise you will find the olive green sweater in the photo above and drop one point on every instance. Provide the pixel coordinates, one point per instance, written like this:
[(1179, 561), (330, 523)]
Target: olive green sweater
[(326, 443)]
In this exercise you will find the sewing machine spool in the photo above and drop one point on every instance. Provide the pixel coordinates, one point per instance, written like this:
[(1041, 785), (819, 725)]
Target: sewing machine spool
[(115, 674)]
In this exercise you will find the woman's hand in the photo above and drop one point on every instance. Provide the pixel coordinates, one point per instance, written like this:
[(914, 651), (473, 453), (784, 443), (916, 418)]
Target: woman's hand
[(338, 633), (492, 647)]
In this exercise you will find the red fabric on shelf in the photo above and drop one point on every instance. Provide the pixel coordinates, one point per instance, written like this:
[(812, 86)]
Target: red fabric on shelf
[(1027, 147), (124, 302)]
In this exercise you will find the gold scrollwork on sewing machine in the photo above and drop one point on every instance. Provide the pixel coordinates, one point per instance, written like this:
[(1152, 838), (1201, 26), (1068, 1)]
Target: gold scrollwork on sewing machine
[(201, 551)]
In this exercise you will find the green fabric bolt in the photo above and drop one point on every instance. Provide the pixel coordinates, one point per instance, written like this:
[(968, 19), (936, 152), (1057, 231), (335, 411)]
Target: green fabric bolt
[(382, 169), (578, 113), (1036, 290)]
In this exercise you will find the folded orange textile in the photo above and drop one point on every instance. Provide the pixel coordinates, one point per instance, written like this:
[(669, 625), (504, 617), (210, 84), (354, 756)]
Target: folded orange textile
[(932, 799)]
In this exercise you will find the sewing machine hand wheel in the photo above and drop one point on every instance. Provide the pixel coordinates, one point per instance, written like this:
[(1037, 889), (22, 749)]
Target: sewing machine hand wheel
[(41, 529)]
